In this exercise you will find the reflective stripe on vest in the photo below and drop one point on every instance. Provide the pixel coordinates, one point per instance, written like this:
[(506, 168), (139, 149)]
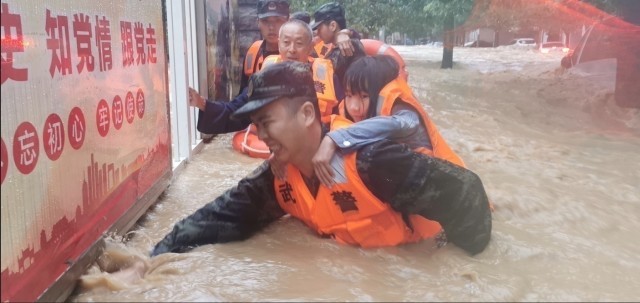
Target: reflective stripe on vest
[(253, 60), (348, 211), (383, 48), (399, 89), (325, 89)]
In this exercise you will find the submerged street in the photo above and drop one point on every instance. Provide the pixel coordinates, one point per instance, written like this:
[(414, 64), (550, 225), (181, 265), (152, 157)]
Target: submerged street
[(557, 157)]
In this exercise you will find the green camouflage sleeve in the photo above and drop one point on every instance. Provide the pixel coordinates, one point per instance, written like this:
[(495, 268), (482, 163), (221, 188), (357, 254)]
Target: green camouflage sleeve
[(413, 183), (235, 215)]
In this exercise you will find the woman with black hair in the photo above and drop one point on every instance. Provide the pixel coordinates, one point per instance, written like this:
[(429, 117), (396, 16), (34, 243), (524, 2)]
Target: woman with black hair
[(383, 107)]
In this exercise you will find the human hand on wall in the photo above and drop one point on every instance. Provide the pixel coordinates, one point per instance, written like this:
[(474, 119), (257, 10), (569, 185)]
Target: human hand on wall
[(196, 100)]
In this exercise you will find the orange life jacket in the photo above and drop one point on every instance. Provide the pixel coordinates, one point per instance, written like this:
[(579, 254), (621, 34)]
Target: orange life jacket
[(321, 48), (348, 211), (253, 59), (400, 90), (375, 47), (325, 88), (323, 79)]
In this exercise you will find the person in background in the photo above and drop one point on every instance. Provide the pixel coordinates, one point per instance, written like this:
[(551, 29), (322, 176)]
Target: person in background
[(383, 107), (305, 17), (376, 47), (271, 15), (294, 44), (330, 25), (384, 193), (302, 16), (213, 116), (319, 48), (328, 86)]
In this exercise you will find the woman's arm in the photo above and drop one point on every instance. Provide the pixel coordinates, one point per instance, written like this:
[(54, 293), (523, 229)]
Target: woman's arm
[(403, 126)]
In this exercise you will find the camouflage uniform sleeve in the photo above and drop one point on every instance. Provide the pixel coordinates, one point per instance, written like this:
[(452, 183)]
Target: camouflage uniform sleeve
[(235, 215), (414, 183)]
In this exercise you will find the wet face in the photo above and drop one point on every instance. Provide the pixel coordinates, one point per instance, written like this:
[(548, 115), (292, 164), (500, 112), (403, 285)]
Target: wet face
[(281, 129), (294, 43), (269, 28), (325, 31), (357, 105)]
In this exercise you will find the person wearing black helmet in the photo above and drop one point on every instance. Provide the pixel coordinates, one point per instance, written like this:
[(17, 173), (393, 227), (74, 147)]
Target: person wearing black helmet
[(384, 194), (329, 22), (271, 15), (213, 116)]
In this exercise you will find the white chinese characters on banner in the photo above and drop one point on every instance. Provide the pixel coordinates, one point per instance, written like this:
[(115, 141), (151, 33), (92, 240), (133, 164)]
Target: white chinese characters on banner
[(72, 73)]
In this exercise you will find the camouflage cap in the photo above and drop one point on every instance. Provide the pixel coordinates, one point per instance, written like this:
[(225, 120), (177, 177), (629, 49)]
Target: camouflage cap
[(278, 80), (327, 12), (269, 8)]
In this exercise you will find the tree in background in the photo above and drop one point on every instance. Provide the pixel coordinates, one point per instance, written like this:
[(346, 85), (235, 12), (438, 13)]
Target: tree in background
[(421, 18), (369, 16), (409, 17), (498, 15), (537, 15), (416, 18), (450, 12), (362, 15)]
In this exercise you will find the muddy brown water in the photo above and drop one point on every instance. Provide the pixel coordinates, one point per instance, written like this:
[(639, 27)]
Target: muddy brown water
[(558, 159)]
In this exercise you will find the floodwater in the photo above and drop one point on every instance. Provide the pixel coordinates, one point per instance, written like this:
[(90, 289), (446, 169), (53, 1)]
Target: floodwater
[(558, 159)]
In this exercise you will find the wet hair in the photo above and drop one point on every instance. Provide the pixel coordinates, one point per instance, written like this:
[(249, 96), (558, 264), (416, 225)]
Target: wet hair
[(302, 16), (369, 75), (300, 23)]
